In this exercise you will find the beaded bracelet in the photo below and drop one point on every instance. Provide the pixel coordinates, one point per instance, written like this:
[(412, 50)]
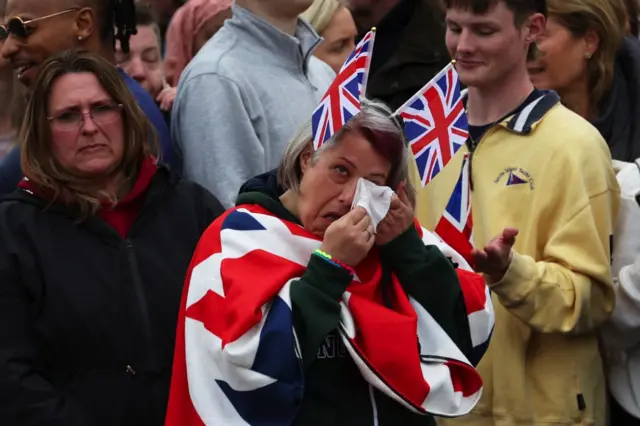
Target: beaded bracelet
[(335, 262)]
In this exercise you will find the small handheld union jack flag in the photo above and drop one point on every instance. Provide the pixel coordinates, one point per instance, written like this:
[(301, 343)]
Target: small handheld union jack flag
[(342, 100), (435, 123), (456, 225)]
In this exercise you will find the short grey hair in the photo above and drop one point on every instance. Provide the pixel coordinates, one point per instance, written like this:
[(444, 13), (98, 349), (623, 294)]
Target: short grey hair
[(374, 118)]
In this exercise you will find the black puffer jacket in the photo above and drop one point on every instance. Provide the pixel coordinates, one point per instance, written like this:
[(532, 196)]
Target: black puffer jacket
[(87, 318), (619, 113)]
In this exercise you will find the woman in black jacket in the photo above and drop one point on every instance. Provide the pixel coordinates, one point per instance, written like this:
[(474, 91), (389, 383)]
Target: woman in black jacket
[(586, 56), (94, 247)]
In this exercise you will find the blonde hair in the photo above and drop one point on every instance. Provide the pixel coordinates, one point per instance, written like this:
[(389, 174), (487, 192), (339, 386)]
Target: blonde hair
[(39, 164), (608, 19), (321, 12)]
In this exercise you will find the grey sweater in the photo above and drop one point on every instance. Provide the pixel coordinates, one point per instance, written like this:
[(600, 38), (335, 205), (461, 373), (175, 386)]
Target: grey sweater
[(243, 98)]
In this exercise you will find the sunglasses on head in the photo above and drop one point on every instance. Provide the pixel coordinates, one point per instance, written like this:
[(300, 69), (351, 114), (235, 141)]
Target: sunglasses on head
[(20, 28)]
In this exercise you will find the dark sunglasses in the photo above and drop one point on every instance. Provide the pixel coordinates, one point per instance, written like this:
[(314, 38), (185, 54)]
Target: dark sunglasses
[(21, 29)]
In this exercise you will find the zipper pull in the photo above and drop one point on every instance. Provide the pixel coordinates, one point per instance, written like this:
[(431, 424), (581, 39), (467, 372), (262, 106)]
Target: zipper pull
[(130, 370)]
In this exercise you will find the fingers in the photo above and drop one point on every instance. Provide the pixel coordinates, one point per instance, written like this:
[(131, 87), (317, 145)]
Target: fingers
[(161, 95), (481, 259), (493, 252), (396, 202), (364, 223), (480, 255), (162, 100), (371, 237), (167, 103), (402, 193), (509, 235), (510, 231), (356, 215), (166, 97)]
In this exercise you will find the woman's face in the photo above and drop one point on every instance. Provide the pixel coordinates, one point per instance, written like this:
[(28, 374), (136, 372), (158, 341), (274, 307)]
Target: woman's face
[(563, 58), (144, 60), (339, 40), (48, 36), (328, 186), (95, 146)]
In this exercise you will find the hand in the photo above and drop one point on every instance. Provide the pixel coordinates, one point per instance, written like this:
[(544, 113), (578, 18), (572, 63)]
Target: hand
[(399, 218), (166, 97), (496, 257), (349, 238)]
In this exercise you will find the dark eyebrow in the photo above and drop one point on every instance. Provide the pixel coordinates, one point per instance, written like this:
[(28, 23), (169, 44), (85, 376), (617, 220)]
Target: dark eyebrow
[(71, 108), (376, 174), (349, 161), (100, 102)]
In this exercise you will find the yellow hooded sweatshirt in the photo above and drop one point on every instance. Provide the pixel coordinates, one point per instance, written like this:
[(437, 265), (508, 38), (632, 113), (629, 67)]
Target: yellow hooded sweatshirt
[(547, 172)]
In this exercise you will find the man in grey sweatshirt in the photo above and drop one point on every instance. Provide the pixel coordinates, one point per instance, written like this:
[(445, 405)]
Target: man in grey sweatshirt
[(246, 94)]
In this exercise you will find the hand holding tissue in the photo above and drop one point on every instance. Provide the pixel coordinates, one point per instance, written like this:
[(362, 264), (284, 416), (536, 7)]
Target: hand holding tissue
[(376, 200), (391, 213)]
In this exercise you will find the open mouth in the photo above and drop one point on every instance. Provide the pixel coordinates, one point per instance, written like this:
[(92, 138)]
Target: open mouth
[(332, 217), (22, 68), (535, 70)]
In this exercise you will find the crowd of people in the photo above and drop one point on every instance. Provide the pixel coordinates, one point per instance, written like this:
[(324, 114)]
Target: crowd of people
[(177, 249)]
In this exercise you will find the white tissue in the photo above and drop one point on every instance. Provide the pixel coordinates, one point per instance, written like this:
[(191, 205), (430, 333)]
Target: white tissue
[(375, 199)]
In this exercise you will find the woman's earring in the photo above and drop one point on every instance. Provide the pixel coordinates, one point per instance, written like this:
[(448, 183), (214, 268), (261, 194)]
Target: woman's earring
[(588, 55), (79, 38)]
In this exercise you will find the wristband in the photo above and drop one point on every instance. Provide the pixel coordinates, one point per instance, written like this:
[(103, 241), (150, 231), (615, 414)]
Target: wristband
[(326, 256)]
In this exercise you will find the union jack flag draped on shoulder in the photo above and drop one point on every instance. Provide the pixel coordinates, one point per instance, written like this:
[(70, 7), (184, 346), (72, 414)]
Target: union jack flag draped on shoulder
[(435, 123), (456, 226), (342, 100), (238, 358)]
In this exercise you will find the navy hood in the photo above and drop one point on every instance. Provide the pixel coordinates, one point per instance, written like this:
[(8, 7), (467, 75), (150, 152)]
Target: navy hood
[(266, 183)]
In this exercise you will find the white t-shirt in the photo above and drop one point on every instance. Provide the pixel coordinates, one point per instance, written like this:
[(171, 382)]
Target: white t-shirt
[(621, 334)]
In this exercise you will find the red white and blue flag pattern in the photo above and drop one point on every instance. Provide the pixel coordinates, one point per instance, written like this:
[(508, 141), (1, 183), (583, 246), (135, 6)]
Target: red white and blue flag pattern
[(456, 224), (237, 359), (342, 100), (435, 123)]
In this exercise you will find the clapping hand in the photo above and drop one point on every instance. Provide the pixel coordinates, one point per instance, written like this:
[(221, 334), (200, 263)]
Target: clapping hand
[(495, 258)]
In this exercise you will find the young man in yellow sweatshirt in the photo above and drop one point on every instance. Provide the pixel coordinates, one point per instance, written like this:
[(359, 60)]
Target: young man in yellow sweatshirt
[(544, 200)]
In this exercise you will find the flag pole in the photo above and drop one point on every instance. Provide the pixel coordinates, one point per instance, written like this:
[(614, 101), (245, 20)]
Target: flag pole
[(365, 78), (421, 91)]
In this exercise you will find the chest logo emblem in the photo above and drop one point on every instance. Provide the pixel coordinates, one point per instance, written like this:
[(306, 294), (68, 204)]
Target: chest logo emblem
[(515, 176)]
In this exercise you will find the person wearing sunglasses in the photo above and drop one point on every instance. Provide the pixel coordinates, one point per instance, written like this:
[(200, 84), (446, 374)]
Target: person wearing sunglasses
[(89, 301), (33, 30)]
